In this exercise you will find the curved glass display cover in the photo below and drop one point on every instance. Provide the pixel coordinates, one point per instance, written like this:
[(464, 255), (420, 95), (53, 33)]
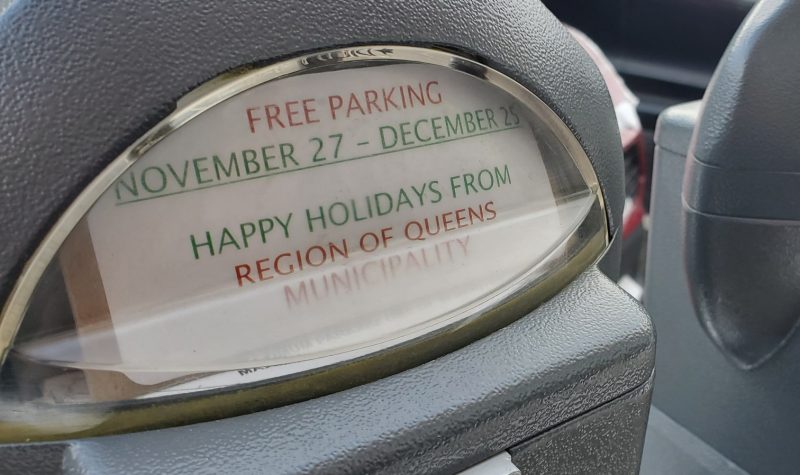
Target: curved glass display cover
[(288, 222)]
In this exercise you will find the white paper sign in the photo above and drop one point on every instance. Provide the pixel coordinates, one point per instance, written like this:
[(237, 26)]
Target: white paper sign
[(322, 214)]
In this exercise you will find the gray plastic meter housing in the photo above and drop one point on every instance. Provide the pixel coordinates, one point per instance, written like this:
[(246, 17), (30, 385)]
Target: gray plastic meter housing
[(82, 82)]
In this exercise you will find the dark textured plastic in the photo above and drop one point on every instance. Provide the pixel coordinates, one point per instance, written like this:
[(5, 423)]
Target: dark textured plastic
[(26, 459), (80, 81), (587, 346), (742, 190), (607, 440)]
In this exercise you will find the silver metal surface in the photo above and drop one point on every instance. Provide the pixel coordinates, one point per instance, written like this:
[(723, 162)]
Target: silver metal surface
[(500, 464)]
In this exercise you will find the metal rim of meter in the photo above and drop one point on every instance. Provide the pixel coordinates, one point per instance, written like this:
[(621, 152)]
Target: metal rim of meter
[(512, 303)]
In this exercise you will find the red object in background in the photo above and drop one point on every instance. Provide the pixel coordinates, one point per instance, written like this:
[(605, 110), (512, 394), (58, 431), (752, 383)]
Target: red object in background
[(633, 219), (630, 131)]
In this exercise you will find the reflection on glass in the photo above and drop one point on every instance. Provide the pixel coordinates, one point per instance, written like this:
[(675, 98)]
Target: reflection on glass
[(302, 223)]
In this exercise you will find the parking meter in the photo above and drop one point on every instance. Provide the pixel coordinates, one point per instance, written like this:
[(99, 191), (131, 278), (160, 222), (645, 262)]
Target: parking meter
[(311, 237), (741, 194)]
